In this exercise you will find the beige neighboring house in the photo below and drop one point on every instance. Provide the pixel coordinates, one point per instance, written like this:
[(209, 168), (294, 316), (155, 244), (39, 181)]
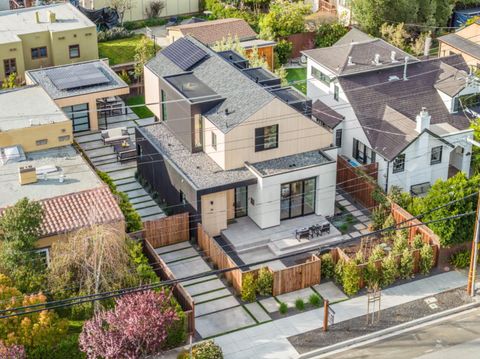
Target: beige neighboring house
[(465, 42), (86, 91), (137, 9), (44, 36)]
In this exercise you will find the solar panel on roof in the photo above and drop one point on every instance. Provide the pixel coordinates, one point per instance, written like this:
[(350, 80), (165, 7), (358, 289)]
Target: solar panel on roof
[(184, 53), (72, 77)]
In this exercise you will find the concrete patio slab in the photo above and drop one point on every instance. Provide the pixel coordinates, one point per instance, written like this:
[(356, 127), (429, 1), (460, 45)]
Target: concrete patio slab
[(363, 218), (330, 291), (258, 312), (153, 217), (344, 202), (92, 145), (140, 199), (270, 304), (215, 306), (145, 204), (173, 247), (117, 166), (125, 173), (137, 193), (204, 287), (359, 226), (189, 267), (178, 255), (222, 322), (121, 181), (290, 298), (144, 212), (88, 137), (212, 295), (198, 280), (107, 150), (129, 186)]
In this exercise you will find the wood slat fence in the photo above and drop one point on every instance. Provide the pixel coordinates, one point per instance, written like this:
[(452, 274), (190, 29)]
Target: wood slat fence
[(169, 230)]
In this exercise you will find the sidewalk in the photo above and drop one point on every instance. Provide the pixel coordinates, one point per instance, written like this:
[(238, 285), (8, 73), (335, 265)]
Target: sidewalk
[(269, 340)]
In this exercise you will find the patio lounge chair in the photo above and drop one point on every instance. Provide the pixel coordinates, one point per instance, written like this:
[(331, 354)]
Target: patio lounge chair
[(325, 229), (302, 233), (115, 135)]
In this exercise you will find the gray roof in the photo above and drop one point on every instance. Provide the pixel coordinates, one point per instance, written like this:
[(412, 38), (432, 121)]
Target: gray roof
[(326, 114), (243, 97), (202, 171), (465, 45), (354, 35), (290, 163), (41, 77), (378, 102), (362, 54)]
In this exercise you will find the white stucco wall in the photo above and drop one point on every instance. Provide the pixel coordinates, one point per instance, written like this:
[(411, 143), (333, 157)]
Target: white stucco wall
[(265, 211)]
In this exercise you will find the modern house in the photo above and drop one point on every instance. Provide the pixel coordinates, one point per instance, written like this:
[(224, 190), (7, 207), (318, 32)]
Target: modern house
[(86, 91), (137, 9), (210, 32), (37, 161), (44, 36), (465, 42), (231, 142), (384, 106)]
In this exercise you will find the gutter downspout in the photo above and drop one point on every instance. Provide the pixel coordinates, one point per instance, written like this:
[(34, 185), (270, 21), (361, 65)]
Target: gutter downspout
[(388, 172)]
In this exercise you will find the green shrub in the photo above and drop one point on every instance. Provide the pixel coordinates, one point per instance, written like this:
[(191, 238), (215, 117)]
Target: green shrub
[(351, 278), (327, 266), (378, 217), (359, 258), (372, 274), (406, 264), (461, 259), (115, 33), (389, 223), (328, 34), (283, 51), (315, 300), (134, 25), (249, 288), (343, 228), (299, 304), (176, 334), (417, 242), (400, 242), (377, 253), (283, 308), (204, 350), (338, 274), (389, 270), (144, 270), (426, 258), (264, 281)]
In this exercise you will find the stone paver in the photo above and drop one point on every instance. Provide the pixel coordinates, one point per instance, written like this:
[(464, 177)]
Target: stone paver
[(121, 181), (215, 306), (149, 211), (144, 204), (137, 193), (189, 267), (290, 298), (141, 199), (212, 295), (258, 312), (198, 280), (270, 304), (126, 173), (330, 291), (173, 247), (178, 255), (224, 321), (359, 226), (117, 166), (205, 287), (363, 218), (129, 186)]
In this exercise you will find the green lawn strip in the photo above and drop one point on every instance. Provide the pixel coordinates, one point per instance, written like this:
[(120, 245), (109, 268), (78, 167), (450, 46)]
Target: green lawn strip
[(119, 51), (140, 111), (300, 75)]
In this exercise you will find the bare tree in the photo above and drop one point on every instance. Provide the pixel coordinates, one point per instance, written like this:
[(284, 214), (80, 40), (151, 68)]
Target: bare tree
[(154, 9), (121, 6)]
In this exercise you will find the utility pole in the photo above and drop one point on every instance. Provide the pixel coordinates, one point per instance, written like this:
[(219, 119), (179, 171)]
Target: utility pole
[(472, 273)]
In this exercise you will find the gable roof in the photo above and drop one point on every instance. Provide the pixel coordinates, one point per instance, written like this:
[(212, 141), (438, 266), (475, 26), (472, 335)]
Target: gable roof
[(326, 114), (209, 32), (362, 54), (384, 106), (354, 35), (459, 42), (241, 96)]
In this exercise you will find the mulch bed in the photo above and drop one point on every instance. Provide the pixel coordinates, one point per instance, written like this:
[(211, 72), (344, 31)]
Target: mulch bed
[(357, 327)]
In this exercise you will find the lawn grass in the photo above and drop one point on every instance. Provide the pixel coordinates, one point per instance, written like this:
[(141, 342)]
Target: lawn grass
[(299, 74), (120, 51), (140, 111)]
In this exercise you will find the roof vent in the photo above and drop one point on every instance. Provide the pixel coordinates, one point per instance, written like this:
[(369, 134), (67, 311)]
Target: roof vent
[(393, 56), (227, 112), (350, 62), (405, 78), (393, 78), (376, 60), (26, 175)]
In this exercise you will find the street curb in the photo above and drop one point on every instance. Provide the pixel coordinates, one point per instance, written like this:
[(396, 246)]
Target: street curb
[(348, 343)]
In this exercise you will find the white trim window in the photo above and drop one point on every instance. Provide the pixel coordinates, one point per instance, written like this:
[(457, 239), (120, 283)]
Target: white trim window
[(44, 253)]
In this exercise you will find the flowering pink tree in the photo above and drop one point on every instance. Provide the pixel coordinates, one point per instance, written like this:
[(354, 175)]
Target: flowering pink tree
[(11, 351), (136, 327)]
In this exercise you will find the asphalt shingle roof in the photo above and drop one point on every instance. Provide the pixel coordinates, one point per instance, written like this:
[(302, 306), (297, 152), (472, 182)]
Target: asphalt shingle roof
[(326, 114), (354, 35), (462, 44)]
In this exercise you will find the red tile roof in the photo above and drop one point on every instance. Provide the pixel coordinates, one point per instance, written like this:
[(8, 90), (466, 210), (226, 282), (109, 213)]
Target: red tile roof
[(209, 32), (73, 211)]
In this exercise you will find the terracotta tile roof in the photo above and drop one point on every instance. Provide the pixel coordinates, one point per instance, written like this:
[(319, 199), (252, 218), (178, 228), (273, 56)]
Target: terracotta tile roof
[(209, 32), (67, 213)]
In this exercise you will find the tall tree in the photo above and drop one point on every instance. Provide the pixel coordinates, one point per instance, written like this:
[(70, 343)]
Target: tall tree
[(284, 18)]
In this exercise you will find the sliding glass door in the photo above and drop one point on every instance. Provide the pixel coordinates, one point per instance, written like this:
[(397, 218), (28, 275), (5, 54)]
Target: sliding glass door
[(297, 198)]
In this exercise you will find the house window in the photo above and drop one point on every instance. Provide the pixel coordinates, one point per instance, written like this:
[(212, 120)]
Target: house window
[(44, 254), (214, 141), (139, 150), (39, 52), (198, 132), (316, 73), (362, 153), (338, 138), (183, 198), (436, 156), (74, 51), (266, 138), (79, 115), (63, 138), (335, 92), (399, 164), (10, 66), (164, 105), (41, 142)]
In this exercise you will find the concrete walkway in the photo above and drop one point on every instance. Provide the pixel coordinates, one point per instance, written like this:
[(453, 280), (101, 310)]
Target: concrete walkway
[(269, 340)]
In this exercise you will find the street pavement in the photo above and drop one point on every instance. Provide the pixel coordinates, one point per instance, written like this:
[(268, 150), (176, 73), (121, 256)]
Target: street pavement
[(453, 337)]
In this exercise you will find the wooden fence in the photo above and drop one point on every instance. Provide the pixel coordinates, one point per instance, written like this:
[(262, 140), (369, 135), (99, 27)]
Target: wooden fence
[(169, 230), (182, 296), (355, 181), (300, 42)]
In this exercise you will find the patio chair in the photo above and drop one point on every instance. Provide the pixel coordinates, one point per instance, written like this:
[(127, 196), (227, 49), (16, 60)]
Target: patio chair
[(115, 135), (315, 230), (325, 229), (301, 233)]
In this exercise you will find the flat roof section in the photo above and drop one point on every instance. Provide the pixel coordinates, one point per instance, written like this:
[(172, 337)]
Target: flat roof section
[(289, 95), (66, 161), (77, 79), (295, 162), (192, 88), (260, 75), (16, 113)]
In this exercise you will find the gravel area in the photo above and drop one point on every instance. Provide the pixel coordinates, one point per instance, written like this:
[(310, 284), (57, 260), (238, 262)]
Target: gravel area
[(389, 317)]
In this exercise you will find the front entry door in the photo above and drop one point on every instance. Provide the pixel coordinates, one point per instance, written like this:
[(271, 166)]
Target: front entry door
[(241, 201)]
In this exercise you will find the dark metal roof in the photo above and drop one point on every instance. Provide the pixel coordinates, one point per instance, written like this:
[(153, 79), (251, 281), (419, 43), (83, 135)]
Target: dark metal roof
[(295, 99), (184, 53), (234, 58), (262, 76)]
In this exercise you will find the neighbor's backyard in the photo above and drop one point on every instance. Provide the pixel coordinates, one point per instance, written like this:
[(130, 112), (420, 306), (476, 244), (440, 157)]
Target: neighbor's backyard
[(136, 102), (120, 51), (298, 76)]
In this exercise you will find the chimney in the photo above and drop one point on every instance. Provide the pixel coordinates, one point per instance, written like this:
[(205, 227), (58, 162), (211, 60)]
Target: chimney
[(52, 17), (393, 55), (405, 78), (423, 120), (26, 175), (37, 17), (428, 44), (350, 62), (376, 60)]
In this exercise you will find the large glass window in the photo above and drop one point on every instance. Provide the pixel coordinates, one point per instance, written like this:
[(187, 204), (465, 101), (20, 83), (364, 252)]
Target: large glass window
[(436, 155), (399, 164), (214, 141), (241, 201), (362, 153), (319, 75), (164, 105), (336, 91), (297, 198), (338, 138), (79, 116), (39, 52), (10, 66), (266, 138)]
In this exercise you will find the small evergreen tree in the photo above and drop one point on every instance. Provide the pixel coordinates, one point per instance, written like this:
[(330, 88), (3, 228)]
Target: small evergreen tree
[(406, 264), (426, 258), (351, 278), (249, 288), (328, 267), (265, 281), (389, 270), (400, 243)]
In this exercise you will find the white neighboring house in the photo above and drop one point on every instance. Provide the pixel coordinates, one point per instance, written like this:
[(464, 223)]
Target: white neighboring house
[(385, 106)]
